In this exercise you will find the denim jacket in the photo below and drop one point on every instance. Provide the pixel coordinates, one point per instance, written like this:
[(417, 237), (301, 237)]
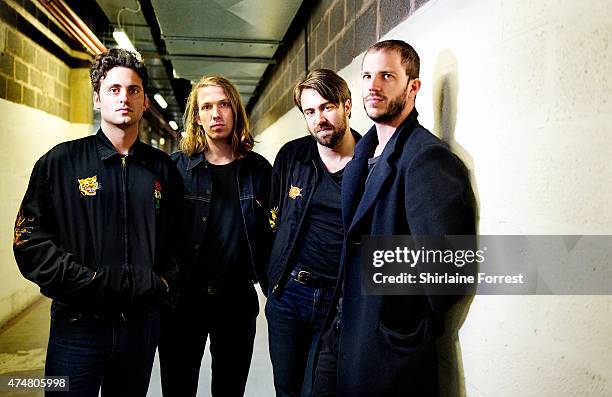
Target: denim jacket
[(253, 186), (294, 179)]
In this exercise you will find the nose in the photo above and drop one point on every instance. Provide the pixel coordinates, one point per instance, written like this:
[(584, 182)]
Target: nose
[(123, 96), (373, 83), (320, 118), (215, 112)]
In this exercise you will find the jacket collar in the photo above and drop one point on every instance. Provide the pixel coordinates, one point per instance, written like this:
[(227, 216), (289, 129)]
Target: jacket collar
[(370, 139), (195, 159), (309, 151), (357, 170), (106, 149)]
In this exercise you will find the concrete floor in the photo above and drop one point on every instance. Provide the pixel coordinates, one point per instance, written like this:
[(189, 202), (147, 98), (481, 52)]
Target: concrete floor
[(23, 343)]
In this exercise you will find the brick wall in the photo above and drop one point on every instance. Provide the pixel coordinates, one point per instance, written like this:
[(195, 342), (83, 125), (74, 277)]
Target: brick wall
[(32, 76), (335, 32)]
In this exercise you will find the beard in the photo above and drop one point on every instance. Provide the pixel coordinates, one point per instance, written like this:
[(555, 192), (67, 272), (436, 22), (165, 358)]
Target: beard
[(332, 139), (394, 108)]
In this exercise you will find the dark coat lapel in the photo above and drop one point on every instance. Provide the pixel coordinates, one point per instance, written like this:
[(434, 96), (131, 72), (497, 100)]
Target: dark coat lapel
[(383, 170)]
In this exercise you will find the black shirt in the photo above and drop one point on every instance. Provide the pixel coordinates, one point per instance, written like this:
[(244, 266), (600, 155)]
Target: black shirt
[(225, 254), (321, 242)]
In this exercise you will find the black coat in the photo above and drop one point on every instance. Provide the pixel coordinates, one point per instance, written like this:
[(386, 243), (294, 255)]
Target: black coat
[(387, 343)]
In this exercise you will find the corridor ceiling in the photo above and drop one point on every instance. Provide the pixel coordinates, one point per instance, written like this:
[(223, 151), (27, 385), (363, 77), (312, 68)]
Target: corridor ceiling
[(233, 38)]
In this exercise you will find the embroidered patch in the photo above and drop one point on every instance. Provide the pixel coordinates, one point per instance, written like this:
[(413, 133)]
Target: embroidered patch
[(294, 192), (21, 230), (89, 186), (157, 193), (273, 218)]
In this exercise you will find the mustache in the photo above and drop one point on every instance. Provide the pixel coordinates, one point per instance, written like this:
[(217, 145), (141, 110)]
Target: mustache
[(374, 96), (323, 126)]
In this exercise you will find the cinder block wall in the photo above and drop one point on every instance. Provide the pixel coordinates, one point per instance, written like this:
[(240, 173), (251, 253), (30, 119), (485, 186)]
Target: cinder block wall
[(30, 75), (335, 32)]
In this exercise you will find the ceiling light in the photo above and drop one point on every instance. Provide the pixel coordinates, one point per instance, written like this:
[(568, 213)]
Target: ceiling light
[(123, 40), (160, 100), (173, 125)]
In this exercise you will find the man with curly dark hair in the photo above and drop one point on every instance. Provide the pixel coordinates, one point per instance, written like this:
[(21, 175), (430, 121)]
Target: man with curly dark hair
[(95, 232)]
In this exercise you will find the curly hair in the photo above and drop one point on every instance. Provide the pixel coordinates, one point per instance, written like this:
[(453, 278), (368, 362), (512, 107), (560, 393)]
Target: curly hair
[(117, 57), (194, 139)]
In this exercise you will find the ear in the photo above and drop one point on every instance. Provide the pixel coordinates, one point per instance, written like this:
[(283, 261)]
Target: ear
[(414, 86), (348, 105), (96, 101), (147, 103)]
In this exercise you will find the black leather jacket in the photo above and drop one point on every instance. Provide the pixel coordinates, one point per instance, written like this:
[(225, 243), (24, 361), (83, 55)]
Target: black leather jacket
[(253, 186), (294, 179)]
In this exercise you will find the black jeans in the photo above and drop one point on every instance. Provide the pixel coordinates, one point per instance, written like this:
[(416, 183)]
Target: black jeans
[(228, 317), (326, 367), (113, 352)]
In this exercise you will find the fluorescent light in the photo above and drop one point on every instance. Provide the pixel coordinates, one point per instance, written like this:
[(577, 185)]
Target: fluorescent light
[(160, 99), (123, 40), (173, 125), (162, 141)]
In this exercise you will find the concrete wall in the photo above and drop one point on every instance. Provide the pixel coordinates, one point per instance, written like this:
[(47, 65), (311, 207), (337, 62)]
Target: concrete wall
[(521, 90), (42, 103)]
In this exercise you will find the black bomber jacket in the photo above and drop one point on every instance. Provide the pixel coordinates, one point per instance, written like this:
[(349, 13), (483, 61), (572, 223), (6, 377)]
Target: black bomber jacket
[(294, 179), (95, 229)]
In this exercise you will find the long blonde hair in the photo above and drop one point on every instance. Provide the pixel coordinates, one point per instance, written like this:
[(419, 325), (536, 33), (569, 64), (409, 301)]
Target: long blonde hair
[(194, 140)]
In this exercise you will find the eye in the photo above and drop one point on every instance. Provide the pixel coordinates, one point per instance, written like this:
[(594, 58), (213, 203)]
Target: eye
[(387, 76), (224, 105), (134, 90), (206, 106), (329, 107), (114, 90), (308, 112), (365, 76)]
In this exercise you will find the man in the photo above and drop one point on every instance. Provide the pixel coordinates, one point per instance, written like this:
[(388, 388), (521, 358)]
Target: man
[(94, 232), (303, 266), (225, 216), (403, 180)]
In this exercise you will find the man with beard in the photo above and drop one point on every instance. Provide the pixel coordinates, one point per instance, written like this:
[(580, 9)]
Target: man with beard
[(402, 181), (306, 218)]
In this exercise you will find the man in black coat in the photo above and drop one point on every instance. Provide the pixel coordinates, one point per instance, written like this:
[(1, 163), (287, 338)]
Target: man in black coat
[(402, 181)]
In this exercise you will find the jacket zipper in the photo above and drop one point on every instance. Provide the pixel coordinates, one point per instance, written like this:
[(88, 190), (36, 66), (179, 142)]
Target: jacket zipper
[(126, 262), (281, 277), (244, 221)]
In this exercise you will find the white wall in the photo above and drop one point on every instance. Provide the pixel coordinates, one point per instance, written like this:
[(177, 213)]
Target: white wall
[(25, 135), (521, 90)]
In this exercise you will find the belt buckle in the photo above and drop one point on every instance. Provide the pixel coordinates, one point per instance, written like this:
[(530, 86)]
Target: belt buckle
[(303, 277)]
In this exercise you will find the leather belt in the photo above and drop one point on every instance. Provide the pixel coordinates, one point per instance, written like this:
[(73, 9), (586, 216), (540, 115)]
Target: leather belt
[(307, 278)]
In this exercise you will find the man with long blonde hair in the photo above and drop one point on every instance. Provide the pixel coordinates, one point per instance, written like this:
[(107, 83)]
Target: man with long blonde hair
[(224, 217)]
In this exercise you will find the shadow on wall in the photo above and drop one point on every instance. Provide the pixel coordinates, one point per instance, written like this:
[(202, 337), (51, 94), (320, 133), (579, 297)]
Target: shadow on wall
[(445, 108)]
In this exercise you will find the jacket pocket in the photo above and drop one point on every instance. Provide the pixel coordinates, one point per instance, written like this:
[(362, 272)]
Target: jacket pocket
[(412, 340)]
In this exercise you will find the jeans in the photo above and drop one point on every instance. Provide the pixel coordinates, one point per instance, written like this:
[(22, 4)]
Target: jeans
[(326, 372), (229, 317), (295, 318), (114, 352)]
